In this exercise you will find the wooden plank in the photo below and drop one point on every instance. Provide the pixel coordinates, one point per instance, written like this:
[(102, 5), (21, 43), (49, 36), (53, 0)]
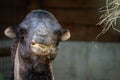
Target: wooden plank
[(63, 16), (15, 3), (5, 45), (11, 15), (76, 16), (4, 52), (33, 4), (90, 32), (71, 3)]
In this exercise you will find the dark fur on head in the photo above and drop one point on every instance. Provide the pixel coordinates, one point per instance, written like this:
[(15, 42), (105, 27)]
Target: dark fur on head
[(36, 41)]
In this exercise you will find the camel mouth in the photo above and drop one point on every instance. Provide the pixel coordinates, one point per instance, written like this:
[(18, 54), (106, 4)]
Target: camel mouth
[(41, 49)]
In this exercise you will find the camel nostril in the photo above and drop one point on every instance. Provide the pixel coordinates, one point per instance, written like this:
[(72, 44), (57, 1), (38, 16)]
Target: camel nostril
[(33, 43)]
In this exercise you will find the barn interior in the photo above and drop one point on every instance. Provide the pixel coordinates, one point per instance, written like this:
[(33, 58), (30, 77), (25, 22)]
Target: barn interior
[(84, 56)]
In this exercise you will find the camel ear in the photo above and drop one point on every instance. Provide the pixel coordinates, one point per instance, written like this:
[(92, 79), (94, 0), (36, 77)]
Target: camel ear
[(66, 35), (9, 32)]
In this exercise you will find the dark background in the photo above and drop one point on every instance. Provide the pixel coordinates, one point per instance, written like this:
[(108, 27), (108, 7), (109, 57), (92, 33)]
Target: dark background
[(79, 16)]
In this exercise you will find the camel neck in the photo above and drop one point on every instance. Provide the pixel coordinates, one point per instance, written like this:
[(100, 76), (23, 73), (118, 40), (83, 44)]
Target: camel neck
[(35, 70), (42, 72)]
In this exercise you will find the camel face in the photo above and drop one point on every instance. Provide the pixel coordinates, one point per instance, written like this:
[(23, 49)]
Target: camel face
[(39, 34)]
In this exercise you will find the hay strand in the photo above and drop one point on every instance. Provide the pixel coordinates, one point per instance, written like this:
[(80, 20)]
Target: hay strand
[(110, 14)]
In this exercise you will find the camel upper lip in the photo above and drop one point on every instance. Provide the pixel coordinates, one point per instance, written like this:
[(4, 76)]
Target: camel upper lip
[(39, 48)]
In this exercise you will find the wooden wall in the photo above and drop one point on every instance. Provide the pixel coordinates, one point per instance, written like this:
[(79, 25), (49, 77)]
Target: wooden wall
[(11, 13), (83, 61), (79, 16)]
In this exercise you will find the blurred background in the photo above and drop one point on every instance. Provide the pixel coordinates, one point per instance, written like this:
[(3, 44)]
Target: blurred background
[(80, 58)]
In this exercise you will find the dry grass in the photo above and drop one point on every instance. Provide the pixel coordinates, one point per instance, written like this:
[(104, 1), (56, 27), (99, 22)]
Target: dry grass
[(110, 14)]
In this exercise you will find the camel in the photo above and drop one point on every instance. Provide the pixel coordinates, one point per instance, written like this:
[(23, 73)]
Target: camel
[(35, 44)]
